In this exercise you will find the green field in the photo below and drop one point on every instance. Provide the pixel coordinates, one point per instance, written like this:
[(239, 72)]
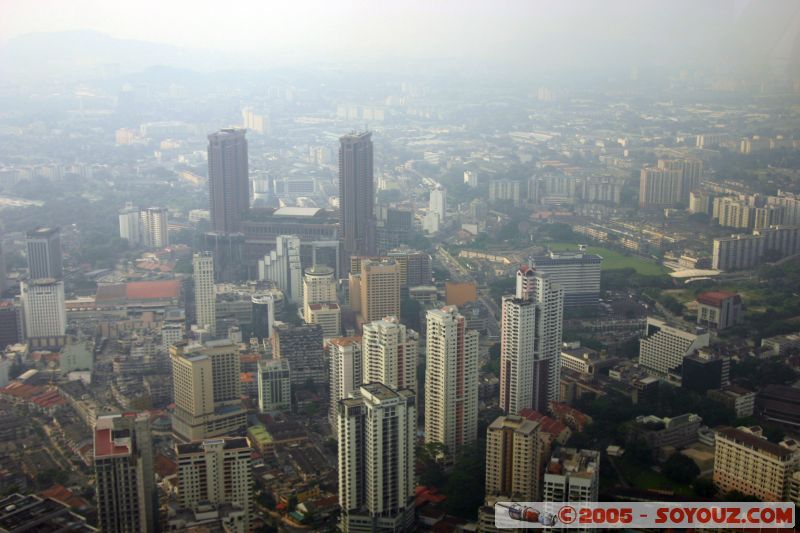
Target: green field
[(613, 260)]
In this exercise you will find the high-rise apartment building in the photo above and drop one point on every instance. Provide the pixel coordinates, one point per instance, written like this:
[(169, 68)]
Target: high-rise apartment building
[(44, 253), (155, 227), (390, 354), (346, 372), (577, 272), (513, 459), (745, 461), (130, 224), (375, 290), (228, 180), (256, 122), (437, 203), (659, 187), (127, 501), (303, 347), (530, 358), (43, 312), (262, 315), (664, 346), (320, 305), (205, 293), (328, 316), (746, 251), (572, 476), (217, 471), (376, 428), (690, 171), (207, 389), (451, 380), (505, 191), (282, 267), (415, 266), (471, 179), (274, 385), (356, 196)]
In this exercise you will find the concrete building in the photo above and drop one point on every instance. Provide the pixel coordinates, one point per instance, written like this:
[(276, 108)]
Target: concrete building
[(256, 122), (741, 400), (691, 170), (328, 316), (376, 430), (171, 334), (44, 253), (389, 352), (530, 339), (302, 346), (505, 191), (205, 294), (577, 272), (451, 380), (659, 187), (739, 252), (719, 309), (375, 290), (572, 476), (415, 266), (77, 355), (127, 500), (18, 512), (262, 315), (676, 432), (228, 180), (346, 372), (130, 224), (513, 459), (282, 267), (471, 179), (745, 461), (705, 370), (44, 312), (356, 196), (700, 202), (320, 305), (216, 471), (664, 346), (459, 293), (437, 203), (207, 389), (155, 224), (274, 385)]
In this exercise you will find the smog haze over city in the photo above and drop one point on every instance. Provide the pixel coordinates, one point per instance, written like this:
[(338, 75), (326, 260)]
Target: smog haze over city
[(397, 266)]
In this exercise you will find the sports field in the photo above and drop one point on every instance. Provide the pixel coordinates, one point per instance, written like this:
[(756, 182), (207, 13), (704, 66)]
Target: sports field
[(614, 260)]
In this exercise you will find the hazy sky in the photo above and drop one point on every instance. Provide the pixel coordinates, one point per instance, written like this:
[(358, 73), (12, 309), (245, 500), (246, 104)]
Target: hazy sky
[(513, 31)]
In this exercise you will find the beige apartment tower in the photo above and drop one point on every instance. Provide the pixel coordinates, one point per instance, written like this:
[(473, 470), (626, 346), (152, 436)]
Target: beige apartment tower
[(513, 459), (389, 351), (375, 291)]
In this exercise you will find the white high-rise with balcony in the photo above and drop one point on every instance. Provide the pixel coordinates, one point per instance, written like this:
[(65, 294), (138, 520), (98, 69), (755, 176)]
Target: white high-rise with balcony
[(390, 354), (205, 295)]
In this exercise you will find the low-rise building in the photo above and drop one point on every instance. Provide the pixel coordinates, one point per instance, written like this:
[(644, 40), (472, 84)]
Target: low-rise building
[(719, 309), (675, 432), (741, 400)]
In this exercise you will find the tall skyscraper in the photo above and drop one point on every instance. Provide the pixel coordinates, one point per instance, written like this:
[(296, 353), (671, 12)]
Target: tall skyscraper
[(437, 203), (282, 267), (376, 428), (390, 354), (263, 315), (43, 312), (530, 365), (44, 253), (356, 196), (274, 385), (216, 471), (451, 380), (205, 293), (228, 179), (659, 187), (207, 389), (577, 272), (127, 500), (691, 170), (155, 222), (513, 459), (375, 291), (346, 371)]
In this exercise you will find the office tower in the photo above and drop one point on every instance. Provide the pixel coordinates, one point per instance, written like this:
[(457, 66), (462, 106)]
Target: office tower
[(44, 253), (664, 346), (437, 203), (376, 428), (216, 471), (530, 358), (155, 223), (319, 300), (346, 373), (577, 272), (390, 354), (205, 293), (127, 501), (705, 370), (274, 385), (690, 171), (356, 196), (659, 187), (513, 459), (9, 324), (302, 346), (375, 290), (328, 316), (471, 179), (415, 266), (207, 389), (451, 380), (228, 180), (282, 267), (572, 476), (263, 315), (745, 461), (130, 224), (43, 312)]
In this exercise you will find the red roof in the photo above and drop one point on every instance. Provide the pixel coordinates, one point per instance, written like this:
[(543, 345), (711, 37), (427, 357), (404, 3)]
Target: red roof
[(546, 424), (104, 446), (716, 298), (164, 466), (424, 495), (153, 290), (64, 495), (247, 377)]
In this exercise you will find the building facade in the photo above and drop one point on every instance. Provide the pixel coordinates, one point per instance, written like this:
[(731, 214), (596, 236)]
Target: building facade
[(356, 196), (389, 352), (664, 346), (44, 253), (302, 346), (513, 459), (205, 293), (274, 385), (578, 273), (228, 180), (346, 372), (44, 312)]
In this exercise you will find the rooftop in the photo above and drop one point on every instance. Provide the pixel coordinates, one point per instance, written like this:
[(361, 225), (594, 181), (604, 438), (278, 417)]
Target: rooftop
[(716, 298), (753, 442), (297, 212), (106, 446)]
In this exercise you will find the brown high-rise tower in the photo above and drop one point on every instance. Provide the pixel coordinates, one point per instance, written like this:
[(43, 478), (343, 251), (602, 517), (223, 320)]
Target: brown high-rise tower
[(356, 196), (228, 180)]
